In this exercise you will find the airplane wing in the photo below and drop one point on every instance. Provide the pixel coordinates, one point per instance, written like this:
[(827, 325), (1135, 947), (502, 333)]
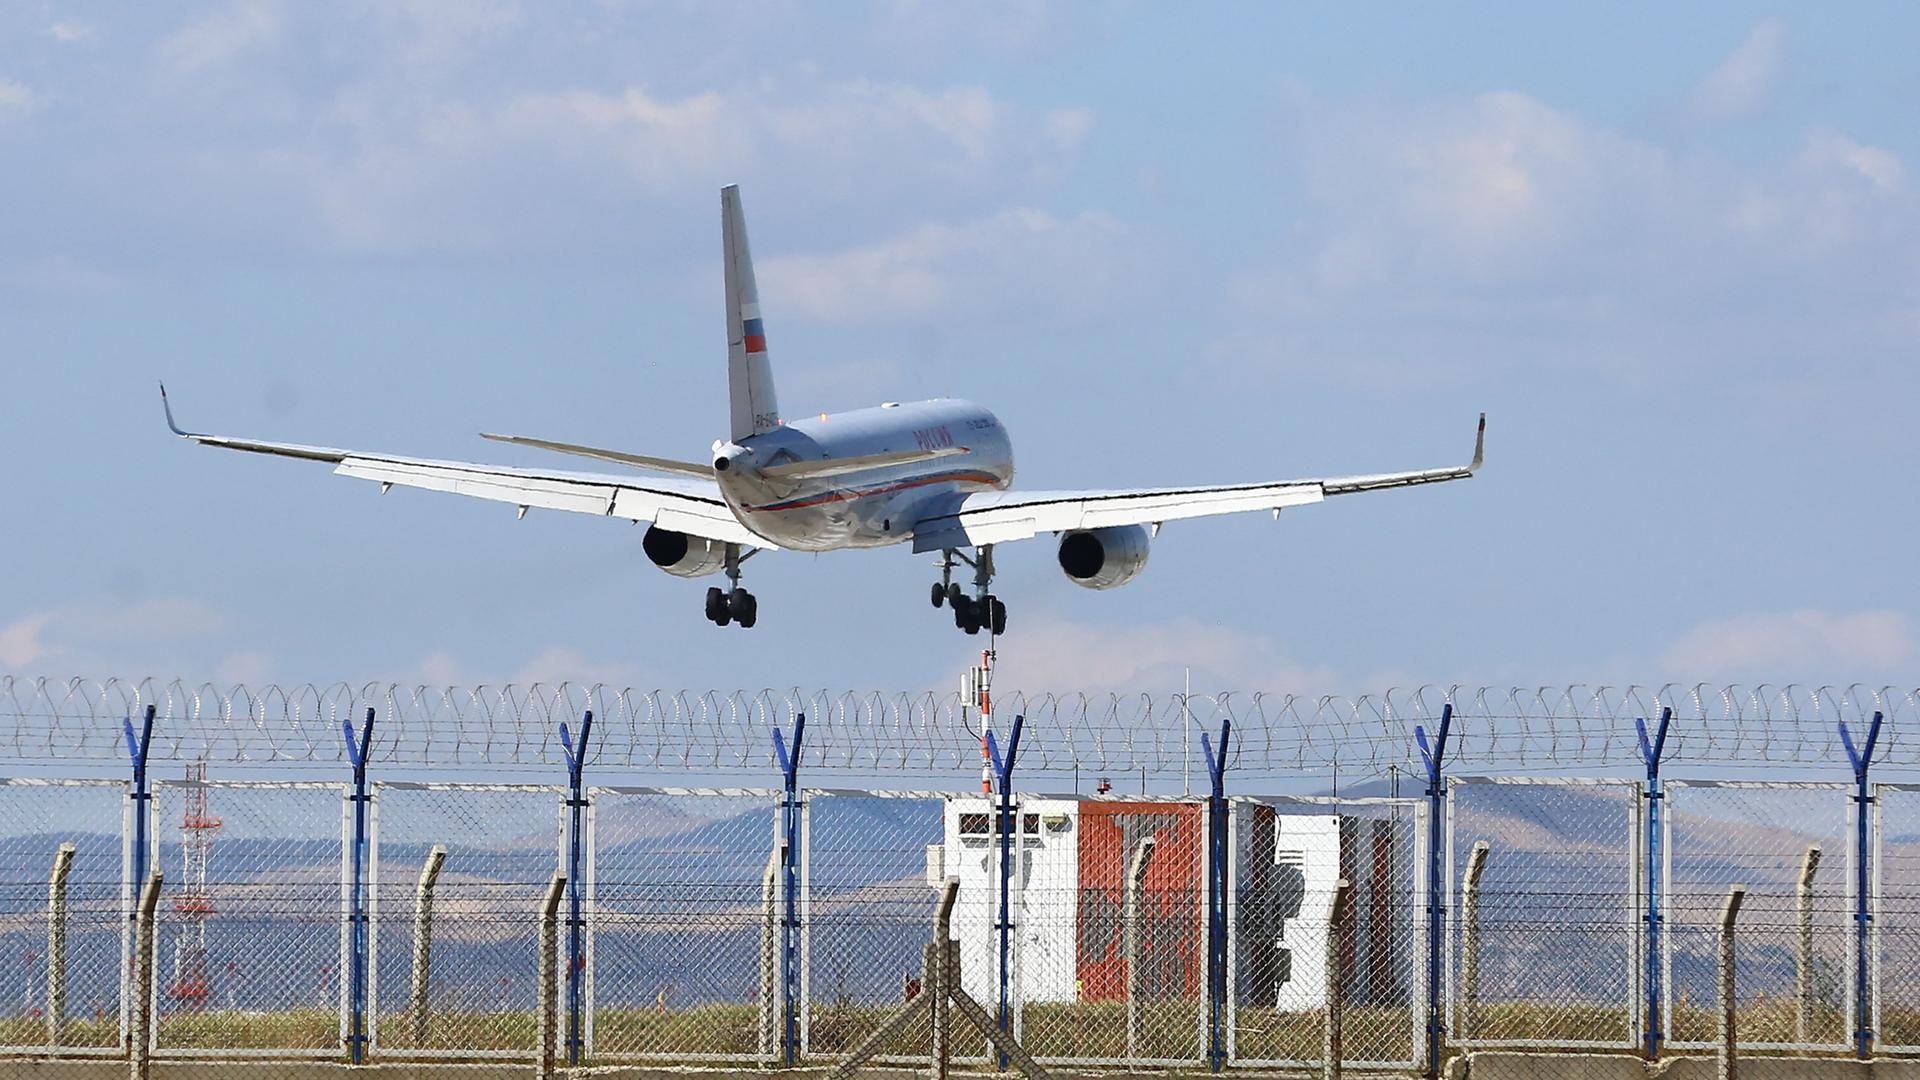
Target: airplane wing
[(683, 505), (998, 517)]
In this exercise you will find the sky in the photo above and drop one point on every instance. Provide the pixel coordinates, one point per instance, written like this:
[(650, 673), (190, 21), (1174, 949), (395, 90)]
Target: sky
[(1673, 252)]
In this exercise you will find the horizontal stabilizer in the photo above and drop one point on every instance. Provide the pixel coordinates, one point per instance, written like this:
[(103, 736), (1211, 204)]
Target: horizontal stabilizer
[(639, 461), (801, 470)]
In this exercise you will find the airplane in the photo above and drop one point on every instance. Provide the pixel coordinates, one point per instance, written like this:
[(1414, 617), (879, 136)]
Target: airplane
[(936, 474)]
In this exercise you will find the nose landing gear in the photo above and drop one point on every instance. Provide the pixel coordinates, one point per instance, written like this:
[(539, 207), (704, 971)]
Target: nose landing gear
[(971, 614), (733, 604)]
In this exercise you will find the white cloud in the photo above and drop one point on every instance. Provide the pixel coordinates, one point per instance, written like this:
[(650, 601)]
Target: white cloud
[(15, 97), (21, 643), (244, 669), (1741, 82), (1807, 643), (380, 169), (868, 128), (1050, 654), (243, 27), (78, 634), (1881, 169), (1433, 230), (1016, 258), (69, 32), (558, 663)]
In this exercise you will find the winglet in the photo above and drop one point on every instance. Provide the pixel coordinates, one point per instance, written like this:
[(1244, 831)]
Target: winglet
[(168, 408), (1479, 446)]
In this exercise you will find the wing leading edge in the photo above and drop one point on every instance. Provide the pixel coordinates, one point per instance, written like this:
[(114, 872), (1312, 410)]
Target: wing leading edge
[(999, 517), (683, 505)]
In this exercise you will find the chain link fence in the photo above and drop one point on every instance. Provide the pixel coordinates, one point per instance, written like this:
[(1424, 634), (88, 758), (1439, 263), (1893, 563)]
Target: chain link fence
[(761, 926), (1546, 922), (680, 959), (249, 948), (870, 893), (1289, 854), (1896, 917), (1795, 946), (60, 914), (455, 933)]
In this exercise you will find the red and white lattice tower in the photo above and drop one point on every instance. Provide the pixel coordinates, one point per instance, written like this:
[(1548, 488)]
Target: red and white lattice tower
[(193, 903)]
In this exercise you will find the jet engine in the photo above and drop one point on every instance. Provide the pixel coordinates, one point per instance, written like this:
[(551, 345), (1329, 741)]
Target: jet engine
[(682, 555), (1104, 558)]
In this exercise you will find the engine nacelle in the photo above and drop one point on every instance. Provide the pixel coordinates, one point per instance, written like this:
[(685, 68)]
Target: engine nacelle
[(682, 555), (1104, 558)]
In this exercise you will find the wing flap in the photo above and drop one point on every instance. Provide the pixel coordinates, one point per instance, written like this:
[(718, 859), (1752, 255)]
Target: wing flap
[(478, 483)]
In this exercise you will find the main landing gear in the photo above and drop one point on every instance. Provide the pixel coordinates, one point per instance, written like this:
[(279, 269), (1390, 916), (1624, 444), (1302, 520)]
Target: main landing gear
[(733, 604), (972, 614)]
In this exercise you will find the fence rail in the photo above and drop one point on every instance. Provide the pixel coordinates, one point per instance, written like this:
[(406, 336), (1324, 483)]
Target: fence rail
[(1564, 727)]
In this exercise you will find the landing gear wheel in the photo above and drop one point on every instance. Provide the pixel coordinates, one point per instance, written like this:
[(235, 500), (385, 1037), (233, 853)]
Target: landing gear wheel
[(939, 594), (955, 596), (716, 606), (970, 615), (995, 615), (743, 608)]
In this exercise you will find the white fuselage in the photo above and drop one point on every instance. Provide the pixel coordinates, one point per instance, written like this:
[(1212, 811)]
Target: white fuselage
[(876, 506)]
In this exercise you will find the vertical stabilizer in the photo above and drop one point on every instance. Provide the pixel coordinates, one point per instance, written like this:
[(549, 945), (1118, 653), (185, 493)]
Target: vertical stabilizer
[(749, 376)]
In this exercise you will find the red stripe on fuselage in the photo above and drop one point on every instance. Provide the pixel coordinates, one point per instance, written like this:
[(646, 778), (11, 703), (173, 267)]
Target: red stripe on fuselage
[(884, 489)]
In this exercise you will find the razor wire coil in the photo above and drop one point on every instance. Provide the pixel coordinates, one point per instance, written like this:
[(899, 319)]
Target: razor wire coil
[(1368, 735)]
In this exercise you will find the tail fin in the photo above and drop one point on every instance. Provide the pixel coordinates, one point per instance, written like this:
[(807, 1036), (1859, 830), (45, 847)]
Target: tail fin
[(749, 376)]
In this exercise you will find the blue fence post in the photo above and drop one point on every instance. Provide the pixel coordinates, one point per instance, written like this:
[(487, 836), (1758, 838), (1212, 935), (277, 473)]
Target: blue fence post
[(142, 798), (789, 762), (1651, 750), (1861, 759), (142, 807), (1003, 927), (576, 757), (1217, 959), (1434, 756), (357, 907)]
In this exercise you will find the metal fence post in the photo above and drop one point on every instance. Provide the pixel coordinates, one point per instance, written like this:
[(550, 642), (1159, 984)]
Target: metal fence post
[(1470, 940), (790, 989), (1008, 830), (576, 759), (357, 750), (57, 942), (1434, 757), (1803, 966), (1728, 1033), (1331, 1050), (1651, 750), (1218, 962), (137, 852), (1130, 932), (549, 976), (423, 944), (140, 1025), (1862, 759)]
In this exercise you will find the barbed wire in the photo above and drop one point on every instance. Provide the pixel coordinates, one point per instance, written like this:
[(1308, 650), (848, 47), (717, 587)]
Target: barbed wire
[(1586, 727)]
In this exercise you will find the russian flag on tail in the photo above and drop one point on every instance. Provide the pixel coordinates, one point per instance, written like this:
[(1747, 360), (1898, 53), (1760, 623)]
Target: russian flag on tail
[(756, 334)]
